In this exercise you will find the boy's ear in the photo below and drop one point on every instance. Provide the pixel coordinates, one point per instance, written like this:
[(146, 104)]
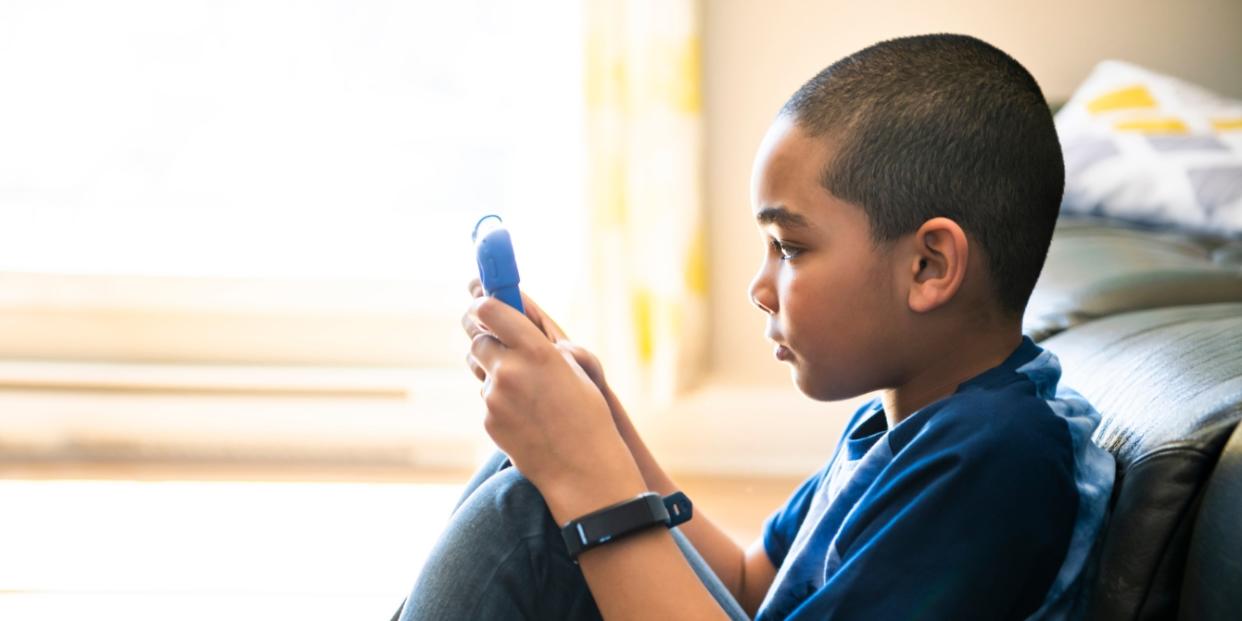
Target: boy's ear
[(937, 265)]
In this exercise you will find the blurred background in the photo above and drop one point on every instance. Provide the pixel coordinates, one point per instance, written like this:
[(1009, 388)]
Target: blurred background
[(234, 251)]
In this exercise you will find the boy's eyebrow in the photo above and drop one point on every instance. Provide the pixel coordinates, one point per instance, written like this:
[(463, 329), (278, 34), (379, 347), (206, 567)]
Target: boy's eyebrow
[(782, 217)]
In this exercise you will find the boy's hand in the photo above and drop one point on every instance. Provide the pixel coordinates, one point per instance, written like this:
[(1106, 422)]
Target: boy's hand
[(547, 414), (585, 359)]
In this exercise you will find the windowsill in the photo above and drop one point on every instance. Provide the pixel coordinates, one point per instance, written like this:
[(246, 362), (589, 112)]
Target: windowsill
[(92, 411), (216, 320), (390, 417)]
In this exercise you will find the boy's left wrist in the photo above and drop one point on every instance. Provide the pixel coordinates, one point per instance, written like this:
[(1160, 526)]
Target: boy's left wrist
[(571, 498)]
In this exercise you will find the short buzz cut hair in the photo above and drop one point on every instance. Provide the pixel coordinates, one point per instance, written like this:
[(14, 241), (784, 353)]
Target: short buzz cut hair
[(943, 125)]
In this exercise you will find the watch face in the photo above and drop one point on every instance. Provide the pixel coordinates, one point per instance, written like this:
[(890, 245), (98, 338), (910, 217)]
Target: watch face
[(641, 512)]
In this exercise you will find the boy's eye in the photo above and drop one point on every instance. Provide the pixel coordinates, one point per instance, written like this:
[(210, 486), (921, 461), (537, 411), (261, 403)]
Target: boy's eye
[(787, 252)]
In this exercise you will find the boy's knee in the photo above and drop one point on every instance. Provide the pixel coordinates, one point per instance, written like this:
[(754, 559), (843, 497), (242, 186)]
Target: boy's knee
[(508, 500)]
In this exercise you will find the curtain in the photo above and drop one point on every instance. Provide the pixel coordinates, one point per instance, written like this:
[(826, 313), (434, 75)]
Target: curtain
[(644, 186)]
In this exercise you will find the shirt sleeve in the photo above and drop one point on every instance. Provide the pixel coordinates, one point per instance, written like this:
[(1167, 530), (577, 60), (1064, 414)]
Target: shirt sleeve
[(782, 526), (970, 520)]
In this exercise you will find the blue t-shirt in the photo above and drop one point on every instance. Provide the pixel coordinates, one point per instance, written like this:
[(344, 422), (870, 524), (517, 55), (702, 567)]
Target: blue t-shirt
[(983, 505)]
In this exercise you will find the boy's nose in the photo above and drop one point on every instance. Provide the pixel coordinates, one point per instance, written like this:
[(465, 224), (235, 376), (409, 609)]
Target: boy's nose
[(761, 293)]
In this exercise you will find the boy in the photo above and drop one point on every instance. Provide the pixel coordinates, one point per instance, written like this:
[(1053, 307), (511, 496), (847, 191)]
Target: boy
[(906, 195)]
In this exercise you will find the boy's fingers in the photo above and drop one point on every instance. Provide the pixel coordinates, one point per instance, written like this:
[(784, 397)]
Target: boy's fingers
[(471, 325), (510, 328), (475, 368), (485, 350), (533, 312), (545, 323)]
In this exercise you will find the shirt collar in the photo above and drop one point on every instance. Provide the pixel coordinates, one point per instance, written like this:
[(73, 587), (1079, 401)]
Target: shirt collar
[(871, 425), (1000, 374)]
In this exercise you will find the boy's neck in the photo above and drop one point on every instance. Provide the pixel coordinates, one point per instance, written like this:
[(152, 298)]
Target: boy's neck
[(940, 374)]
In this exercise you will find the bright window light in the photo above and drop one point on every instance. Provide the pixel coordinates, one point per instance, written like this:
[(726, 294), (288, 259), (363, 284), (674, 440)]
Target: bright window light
[(287, 138)]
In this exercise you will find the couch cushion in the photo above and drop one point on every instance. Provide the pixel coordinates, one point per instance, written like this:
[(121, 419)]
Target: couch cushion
[(1168, 385), (1212, 588), (1228, 255), (1094, 271)]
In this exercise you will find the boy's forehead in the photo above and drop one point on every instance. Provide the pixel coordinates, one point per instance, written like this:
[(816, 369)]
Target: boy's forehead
[(789, 165)]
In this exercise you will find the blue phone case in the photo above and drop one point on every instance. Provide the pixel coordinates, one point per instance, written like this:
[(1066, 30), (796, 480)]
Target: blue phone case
[(493, 250)]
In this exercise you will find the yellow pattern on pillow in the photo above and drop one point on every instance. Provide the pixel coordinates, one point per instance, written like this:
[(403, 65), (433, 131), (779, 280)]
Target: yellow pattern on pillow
[(1153, 126), (1136, 96)]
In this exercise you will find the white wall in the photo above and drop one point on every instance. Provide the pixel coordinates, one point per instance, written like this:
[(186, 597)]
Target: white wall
[(757, 53)]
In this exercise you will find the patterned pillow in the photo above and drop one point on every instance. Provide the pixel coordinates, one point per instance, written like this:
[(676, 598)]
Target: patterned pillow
[(1149, 148)]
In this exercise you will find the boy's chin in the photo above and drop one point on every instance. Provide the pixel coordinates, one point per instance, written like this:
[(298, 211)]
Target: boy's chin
[(822, 391)]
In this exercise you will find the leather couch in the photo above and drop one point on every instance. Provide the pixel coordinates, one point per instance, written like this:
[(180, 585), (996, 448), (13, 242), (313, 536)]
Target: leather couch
[(1148, 327)]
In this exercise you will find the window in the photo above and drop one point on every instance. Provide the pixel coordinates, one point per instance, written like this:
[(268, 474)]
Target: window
[(276, 160), (241, 229)]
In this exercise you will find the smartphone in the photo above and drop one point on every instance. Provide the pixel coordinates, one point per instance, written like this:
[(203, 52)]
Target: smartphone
[(493, 250)]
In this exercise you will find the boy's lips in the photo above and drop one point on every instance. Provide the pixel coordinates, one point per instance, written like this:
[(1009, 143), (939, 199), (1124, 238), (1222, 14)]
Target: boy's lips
[(782, 353)]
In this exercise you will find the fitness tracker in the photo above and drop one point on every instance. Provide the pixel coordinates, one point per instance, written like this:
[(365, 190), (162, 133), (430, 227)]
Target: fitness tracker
[(624, 518)]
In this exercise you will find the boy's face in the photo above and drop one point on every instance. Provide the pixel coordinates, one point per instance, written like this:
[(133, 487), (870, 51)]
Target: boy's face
[(832, 298)]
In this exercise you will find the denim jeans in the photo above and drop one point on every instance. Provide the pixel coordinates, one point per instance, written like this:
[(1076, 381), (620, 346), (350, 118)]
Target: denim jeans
[(502, 557)]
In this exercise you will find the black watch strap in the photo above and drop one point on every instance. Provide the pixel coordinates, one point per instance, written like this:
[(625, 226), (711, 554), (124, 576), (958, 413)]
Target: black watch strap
[(626, 517)]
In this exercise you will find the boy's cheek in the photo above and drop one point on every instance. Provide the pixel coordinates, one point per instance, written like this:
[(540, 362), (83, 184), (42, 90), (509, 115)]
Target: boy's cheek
[(830, 377)]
